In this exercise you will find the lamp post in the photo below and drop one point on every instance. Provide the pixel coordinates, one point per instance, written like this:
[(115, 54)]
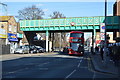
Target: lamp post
[(105, 45)]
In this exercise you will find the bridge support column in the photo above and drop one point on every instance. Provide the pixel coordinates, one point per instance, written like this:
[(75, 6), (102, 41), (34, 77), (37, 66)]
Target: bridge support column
[(53, 41), (94, 40), (47, 36), (60, 42)]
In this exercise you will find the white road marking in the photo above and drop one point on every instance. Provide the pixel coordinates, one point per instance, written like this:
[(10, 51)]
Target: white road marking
[(27, 68), (15, 71), (43, 64), (10, 77), (79, 63), (70, 74)]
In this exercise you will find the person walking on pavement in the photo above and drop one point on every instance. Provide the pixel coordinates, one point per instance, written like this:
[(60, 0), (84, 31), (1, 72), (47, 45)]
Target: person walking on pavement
[(92, 49), (96, 49), (101, 53)]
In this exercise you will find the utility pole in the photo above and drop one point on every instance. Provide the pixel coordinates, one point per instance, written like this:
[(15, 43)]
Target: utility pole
[(105, 45)]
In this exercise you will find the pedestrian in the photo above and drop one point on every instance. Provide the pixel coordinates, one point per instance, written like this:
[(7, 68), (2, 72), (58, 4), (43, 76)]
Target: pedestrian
[(116, 55), (91, 49), (110, 54), (79, 49), (101, 53), (96, 49)]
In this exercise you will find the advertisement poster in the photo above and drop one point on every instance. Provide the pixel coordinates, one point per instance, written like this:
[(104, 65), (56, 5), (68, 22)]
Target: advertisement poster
[(12, 37)]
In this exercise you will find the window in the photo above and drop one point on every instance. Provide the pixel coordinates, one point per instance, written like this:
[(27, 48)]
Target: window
[(76, 35), (10, 28), (15, 29), (75, 46)]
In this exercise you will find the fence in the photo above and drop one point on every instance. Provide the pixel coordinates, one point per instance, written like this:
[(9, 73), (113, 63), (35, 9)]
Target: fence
[(4, 49)]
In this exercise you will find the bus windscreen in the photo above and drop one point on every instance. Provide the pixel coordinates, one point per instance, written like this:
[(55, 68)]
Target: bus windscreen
[(74, 46), (76, 35)]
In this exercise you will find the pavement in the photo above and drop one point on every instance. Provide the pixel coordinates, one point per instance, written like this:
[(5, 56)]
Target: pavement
[(16, 56), (105, 67)]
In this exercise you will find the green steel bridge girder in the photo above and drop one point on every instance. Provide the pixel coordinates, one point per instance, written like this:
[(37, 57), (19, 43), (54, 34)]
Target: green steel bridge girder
[(65, 28), (81, 23)]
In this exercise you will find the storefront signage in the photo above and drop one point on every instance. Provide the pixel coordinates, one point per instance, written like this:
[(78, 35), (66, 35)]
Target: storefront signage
[(12, 37), (3, 33), (102, 27)]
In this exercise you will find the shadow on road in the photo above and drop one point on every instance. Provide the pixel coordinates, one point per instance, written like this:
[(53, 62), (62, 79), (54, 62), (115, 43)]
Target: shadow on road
[(28, 64)]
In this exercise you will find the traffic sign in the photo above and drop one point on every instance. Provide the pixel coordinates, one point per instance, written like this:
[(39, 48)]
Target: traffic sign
[(72, 23), (102, 27), (102, 36)]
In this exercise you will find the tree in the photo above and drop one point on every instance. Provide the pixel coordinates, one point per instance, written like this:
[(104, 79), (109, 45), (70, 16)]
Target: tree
[(30, 13), (55, 15)]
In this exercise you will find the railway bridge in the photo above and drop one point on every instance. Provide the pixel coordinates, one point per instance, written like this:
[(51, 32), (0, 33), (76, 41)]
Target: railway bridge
[(85, 24)]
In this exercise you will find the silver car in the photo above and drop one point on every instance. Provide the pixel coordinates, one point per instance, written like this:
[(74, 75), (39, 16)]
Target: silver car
[(22, 49)]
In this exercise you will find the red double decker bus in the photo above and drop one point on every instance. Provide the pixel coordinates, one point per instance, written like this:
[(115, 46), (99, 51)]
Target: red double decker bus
[(76, 41)]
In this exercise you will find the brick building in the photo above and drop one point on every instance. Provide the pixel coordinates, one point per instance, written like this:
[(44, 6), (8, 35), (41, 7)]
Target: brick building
[(116, 12), (8, 32), (116, 8)]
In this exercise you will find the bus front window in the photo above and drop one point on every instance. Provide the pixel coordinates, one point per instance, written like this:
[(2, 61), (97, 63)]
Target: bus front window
[(74, 46), (76, 35)]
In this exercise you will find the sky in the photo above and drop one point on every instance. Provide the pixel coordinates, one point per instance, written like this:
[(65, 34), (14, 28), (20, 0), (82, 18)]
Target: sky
[(69, 9)]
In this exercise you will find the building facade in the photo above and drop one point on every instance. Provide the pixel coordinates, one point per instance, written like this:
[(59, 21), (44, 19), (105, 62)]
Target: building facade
[(8, 32), (116, 8), (116, 12)]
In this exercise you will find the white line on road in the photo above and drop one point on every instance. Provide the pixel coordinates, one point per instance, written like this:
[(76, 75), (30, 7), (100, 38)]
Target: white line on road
[(70, 74), (27, 68), (43, 64), (14, 71), (79, 63)]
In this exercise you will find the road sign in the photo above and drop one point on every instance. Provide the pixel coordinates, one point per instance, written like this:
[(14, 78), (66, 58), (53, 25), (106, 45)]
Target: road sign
[(72, 23), (102, 27), (102, 36)]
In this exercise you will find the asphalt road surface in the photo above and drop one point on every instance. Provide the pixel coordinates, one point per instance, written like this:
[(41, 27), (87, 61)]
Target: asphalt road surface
[(55, 66)]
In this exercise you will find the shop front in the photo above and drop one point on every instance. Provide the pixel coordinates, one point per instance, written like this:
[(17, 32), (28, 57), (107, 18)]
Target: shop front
[(13, 41)]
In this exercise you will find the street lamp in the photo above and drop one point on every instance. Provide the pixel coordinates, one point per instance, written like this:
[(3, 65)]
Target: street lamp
[(105, 20), (105, 45)]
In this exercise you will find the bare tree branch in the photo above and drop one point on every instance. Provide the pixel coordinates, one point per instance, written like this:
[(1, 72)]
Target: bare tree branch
[(54, 15), (30, 13)]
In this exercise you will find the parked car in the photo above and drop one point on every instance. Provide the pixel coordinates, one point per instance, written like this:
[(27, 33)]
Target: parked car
[(22, 49), (33, 49), (40, 49)]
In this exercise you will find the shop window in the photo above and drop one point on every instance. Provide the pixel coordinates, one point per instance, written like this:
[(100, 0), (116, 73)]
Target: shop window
[(15, 29), (10, 28)]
